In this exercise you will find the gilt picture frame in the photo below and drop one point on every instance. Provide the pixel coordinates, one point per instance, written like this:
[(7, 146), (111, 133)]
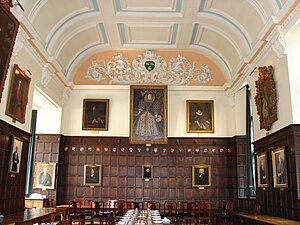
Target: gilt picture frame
[(200, 116), (262, 170), (201, 176), (92, 174), (18, 95), (279, 167), (44, 175), (95, 114), (8, 31), (148, 114), (15, 155), (266, 99)]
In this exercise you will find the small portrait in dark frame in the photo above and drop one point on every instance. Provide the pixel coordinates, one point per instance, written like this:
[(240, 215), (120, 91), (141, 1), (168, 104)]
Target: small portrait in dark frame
[(147, 172), (16, 155)]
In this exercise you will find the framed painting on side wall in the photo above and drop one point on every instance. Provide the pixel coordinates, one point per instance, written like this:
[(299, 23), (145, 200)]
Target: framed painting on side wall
[(262, 170), (8, 32), (44, 175), (16, 155), (95, 114), (18, 95), (280, 178)]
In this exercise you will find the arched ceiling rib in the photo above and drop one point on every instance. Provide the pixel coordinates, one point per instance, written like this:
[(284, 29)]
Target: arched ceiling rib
[(225, 33)]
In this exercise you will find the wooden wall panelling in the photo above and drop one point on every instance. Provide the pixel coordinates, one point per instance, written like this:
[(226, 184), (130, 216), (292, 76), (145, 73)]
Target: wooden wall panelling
[(122, 169), (275, 201), (47, 150), (12, 186)]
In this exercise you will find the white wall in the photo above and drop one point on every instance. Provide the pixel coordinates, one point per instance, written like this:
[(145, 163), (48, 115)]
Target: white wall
[(240, 111), (119, 112), (281, 77), (293, 49)]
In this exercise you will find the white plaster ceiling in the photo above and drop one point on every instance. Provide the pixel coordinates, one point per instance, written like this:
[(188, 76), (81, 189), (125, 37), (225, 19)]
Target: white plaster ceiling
[(228, 32)]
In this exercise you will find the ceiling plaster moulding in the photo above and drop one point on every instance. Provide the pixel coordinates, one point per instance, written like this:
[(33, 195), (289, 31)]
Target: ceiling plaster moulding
[(261, 12), (287, 8), (267, 28), (291, 19), (211, 54), (163, 33), (225, 28), (76, 33), (172, 8), (149, 68), (227, 37), (79, 23), (75, 64)]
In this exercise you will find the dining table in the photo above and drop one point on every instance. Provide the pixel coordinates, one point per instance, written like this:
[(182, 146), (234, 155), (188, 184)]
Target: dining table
[(34, 215)]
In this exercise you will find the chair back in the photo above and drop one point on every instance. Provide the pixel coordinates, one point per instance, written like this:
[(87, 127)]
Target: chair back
[(119, 208), (73, 208), (152, 205), (229, 207), (98, 208), (170, 208), (203, 212), (257, 208), (137, 205)]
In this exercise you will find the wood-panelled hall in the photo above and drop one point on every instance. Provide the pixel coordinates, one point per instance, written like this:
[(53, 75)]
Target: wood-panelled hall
[(139, 112)]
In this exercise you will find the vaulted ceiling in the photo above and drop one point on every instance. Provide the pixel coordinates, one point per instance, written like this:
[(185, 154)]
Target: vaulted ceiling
[(104, 36)]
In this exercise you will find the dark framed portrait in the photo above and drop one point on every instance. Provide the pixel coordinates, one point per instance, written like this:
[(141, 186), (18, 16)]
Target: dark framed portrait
[(279, 167), (92, 175), (266, 99), (147, 172), (8, 32), (200, 116), (148, 114), (15, 155), (262, 170), (95, 114), (44, 175), (18, 95), (201, 176)]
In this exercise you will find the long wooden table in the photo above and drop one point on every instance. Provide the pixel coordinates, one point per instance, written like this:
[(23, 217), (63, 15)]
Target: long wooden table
[(262, 219), (35, 215)]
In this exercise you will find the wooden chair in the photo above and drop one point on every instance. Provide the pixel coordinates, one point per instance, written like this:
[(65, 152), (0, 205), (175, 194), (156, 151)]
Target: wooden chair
[(226, 216), (170, 210), (97, 208), (203, 212), (119, 209), (152, 205), (74, 213), (137, 205), (86, 208)]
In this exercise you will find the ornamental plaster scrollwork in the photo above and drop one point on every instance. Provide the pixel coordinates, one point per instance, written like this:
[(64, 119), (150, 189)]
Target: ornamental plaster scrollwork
[(149, 68), (46, 75)]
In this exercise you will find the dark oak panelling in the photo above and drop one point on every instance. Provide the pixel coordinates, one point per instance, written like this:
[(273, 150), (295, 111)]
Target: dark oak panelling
[(122, 169), (282, 202), (47, 150), (12, 186)]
